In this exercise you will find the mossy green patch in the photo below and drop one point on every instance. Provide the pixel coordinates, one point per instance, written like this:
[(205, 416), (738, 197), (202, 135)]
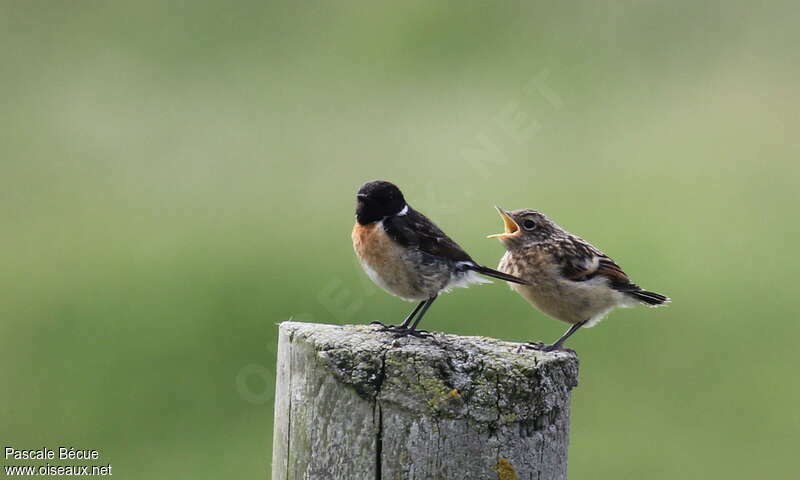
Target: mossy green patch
[(505, 470)]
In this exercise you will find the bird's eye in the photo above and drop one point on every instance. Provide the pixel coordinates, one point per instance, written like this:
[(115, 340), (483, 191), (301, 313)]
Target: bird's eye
[(528, 225)]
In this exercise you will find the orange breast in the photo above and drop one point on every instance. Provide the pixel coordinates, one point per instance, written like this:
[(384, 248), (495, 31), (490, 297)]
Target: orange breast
[(372, 245), (386, 262)]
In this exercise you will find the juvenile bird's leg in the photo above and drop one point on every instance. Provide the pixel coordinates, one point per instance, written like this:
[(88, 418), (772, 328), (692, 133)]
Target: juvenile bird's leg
[(557, 344), (405, 323)]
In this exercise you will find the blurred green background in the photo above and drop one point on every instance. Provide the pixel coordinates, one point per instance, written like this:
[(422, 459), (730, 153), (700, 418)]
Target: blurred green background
[(178, 177)]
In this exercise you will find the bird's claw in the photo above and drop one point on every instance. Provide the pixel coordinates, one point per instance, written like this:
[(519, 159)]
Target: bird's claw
[(538, 346), (401, 331)]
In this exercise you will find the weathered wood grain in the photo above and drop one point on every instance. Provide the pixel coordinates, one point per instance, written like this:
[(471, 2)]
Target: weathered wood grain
[(355, 403)]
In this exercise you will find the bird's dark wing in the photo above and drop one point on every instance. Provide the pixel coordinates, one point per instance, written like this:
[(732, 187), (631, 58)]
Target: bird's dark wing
[(580, 261), (415, 230)]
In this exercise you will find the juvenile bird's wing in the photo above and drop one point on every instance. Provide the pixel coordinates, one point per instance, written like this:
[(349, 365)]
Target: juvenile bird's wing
[(415, 230), (581, 261)]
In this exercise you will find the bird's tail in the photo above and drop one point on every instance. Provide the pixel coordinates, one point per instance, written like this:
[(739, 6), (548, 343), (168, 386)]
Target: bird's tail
[(490, 272), (650, 298)]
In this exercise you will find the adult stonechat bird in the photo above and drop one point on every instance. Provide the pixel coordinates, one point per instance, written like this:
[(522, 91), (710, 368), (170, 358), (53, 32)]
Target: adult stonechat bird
[(407, 255), (567, 277)]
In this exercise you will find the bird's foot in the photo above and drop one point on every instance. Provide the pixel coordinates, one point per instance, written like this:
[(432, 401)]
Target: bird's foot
[(412, 332), (538, 346), (401, 331)]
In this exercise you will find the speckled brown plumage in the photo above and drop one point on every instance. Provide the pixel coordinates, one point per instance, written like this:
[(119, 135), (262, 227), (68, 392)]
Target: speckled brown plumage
[(568, 278)]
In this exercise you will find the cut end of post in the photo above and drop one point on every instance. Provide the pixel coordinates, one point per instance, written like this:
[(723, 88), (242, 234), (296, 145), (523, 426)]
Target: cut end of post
[(435, 374), (446, 406)]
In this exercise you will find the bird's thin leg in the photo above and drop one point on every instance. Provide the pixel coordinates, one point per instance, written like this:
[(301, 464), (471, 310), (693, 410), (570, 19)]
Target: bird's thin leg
[(406, 322), (557, 344), (413, 313), (404, 329), (425, 308), (568, 334)]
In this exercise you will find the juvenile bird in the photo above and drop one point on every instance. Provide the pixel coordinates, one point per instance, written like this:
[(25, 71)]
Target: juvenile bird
[(407, 255), (568, 278)]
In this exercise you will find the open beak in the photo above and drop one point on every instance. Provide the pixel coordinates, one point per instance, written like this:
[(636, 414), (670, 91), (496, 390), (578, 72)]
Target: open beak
[(511, 226)]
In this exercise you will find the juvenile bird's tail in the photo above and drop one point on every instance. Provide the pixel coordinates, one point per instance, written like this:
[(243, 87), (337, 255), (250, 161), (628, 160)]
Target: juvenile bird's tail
[(490, 272), (650, 298)]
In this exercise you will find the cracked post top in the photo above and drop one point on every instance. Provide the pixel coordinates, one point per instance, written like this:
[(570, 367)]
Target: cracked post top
[(485, 380)]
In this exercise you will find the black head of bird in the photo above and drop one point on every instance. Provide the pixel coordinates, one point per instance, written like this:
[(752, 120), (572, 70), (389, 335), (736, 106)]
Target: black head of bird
[(377, 200)]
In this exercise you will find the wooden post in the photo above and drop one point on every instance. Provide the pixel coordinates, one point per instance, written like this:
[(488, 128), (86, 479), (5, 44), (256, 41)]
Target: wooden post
[(352, 402)]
